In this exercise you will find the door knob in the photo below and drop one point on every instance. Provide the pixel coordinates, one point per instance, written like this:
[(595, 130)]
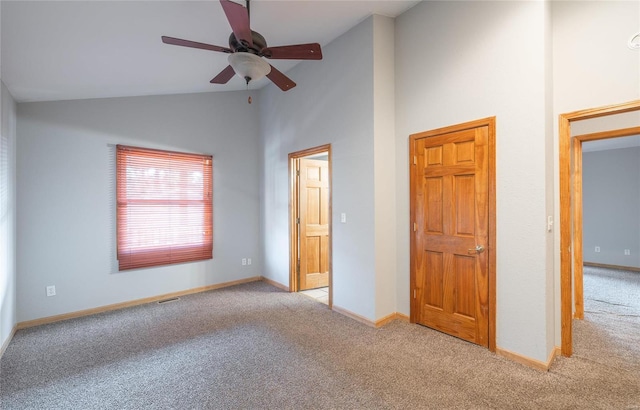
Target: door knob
[(477, 249)]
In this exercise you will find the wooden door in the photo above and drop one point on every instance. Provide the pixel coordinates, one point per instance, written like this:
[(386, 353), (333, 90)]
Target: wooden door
[(314, 223), (450, 214)]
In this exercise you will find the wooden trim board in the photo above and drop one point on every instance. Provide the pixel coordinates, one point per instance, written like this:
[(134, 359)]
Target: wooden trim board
[(527, 361), (604, 265), (353, 316), (390, 318), (402, 317), (576, 200), (6, 342), (515, 357), (566, 210), (274, 283), (293, 157), (566, 292), (122, 305), (377, 323), (624, 132), (577, 205)]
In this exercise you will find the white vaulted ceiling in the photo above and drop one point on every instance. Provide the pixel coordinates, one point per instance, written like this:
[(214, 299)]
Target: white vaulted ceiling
[(58, 50)]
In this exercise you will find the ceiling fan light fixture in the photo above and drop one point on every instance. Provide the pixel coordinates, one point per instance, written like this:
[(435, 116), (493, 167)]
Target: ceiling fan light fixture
[(249, 66)]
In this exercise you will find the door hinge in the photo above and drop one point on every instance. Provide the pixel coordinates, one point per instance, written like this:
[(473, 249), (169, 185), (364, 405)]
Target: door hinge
[(298, 173), (414, 293), (415, 160), (298, 221), (298, 266), (415, 227)]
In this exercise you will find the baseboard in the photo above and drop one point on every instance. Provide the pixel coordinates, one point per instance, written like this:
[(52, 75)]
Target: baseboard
[(377, 323), (603, 265), (527, 361), (6, 342), (402, 317), (137, 302), (345, 312), (274, 283), (353, 316), (390, 318)]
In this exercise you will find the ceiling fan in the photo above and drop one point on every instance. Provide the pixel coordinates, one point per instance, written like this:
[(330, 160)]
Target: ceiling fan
[(246, 49)]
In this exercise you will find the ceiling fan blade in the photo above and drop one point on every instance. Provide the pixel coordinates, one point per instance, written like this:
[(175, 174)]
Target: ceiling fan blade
[(311, 51), (281, 80), (224, 76), (193, 44), (238, 17)]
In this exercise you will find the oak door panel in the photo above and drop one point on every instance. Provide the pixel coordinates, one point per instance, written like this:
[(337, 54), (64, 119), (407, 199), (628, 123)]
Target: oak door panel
[(450, 209), (314, 223)]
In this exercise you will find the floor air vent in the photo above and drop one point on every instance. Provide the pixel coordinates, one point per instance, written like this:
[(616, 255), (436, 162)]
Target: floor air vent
[(160, 302)]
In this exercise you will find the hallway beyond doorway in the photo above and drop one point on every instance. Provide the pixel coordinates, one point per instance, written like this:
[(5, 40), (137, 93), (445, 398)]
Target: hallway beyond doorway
[(319, 294)]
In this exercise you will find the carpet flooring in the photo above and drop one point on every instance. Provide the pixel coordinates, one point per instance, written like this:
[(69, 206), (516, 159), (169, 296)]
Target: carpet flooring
[(610, 332), (253, 346)]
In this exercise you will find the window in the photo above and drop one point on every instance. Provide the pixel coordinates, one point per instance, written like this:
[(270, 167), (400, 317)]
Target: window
[(164, 207)]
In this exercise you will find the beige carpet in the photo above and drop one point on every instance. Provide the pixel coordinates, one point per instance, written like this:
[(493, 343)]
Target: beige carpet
[(253, 346), (610, 332)]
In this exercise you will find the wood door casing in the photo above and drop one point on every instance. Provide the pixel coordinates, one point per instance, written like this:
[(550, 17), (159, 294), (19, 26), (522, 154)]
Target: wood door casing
[(577, 205), (566, 231), (450, 209), (314, 223)]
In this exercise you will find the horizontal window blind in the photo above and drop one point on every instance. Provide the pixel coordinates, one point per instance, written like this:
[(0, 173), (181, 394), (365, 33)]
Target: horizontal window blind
[(164, 207)]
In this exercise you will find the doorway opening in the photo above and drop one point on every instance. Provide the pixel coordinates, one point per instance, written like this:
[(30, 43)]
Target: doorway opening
[(578, 216), (571, 212), (606, 203), (310, 223)]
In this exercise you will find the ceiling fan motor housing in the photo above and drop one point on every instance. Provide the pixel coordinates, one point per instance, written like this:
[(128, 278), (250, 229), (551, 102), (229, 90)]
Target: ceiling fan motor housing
[(247, 47), (259, 43)]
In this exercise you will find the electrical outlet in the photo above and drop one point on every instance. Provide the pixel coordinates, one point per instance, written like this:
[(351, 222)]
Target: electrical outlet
[(51, 290), (627, 252), (244, 261), (343, 218), (248, 261), (597, 249)]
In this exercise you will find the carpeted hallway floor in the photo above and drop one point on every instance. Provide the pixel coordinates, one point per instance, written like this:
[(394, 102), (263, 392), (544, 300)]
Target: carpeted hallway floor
[(253, 346), (610, 332)]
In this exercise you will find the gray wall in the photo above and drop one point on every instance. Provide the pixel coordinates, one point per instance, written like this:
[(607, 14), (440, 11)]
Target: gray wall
[(447, 80), (611, 206), (333, 103), (7, 214), (350, 106), (454, 80), (592, 67), (66, 195)]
